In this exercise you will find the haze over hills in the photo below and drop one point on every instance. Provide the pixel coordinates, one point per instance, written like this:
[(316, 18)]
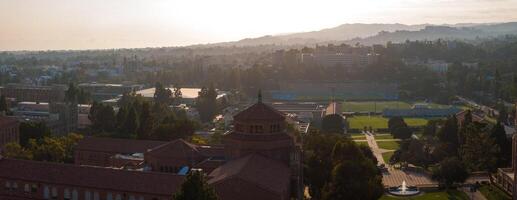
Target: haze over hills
[(382, 33)]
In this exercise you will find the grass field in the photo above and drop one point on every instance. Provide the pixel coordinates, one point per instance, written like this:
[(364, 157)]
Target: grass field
[(361, 142), (378, 106), (386, 156), (383, 136), (376, 122), (388, 145), (493, 193), (358, 137), (441, 195)]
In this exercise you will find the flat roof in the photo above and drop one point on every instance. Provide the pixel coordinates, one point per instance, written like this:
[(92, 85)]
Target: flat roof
[(187, 93)]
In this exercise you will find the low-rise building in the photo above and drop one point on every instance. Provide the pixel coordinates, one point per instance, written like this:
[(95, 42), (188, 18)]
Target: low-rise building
[(9, 131)]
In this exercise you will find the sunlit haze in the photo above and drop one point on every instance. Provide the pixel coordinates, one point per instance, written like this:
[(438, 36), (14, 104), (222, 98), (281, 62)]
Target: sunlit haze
[(94, 24)]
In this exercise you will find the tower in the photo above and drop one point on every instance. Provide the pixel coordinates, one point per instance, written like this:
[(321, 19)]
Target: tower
[(262, 130)]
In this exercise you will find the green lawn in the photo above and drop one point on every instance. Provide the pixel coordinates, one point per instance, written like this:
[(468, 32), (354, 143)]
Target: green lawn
[(386, 156), (376, 122), (440, 195), (388, 145), (378, 106), (493, 193), (361, 142), (383, 136), (358, 137), (371, 106)]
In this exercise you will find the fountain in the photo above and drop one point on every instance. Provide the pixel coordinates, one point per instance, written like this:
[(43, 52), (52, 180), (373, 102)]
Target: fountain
[(404, 190)]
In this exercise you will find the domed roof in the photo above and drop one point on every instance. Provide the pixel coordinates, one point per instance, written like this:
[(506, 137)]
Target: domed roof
[(259, 112)]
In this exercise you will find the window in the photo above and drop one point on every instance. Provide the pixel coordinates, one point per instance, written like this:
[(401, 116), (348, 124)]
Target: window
[(15, 186), (75, 195), (46, 192), (26, 188), (118, 197), (131, 197), (258, 129), (96, 196), (7, 185), (66, 195), (54, 193), (87, 195), (109, 196), (34, 188)]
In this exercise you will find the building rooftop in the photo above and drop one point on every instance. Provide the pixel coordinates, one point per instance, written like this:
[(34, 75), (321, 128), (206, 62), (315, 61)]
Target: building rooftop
[(91, 177), (259, 111), (115, 145), (256, 169), (5, 121), (187, 93)]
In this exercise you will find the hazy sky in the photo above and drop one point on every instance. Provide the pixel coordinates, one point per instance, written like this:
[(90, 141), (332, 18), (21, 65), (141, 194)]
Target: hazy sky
[(87, 24)]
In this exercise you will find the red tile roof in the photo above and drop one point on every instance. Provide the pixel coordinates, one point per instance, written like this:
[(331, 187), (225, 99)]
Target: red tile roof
[(6, 121), (266, 173), (91, 177), (460, 116), (259, 111), (115, 145), (175, 148)]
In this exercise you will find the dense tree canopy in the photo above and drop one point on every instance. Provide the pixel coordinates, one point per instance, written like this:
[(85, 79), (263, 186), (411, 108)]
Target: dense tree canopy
[(195, 187)]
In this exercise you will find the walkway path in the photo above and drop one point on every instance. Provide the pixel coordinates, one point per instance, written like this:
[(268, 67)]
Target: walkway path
[(394, 177), (373, 146)]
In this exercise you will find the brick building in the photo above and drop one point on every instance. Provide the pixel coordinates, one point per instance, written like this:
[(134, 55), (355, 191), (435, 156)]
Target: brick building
[(259, 160), (21, 92), (22, 180), (9, 131)]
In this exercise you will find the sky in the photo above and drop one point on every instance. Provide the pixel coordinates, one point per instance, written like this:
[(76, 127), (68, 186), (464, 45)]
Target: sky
[(105, 24)]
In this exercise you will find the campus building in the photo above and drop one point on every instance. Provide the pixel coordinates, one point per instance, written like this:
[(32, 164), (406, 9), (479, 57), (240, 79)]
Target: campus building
[(9, 131), (259, 159), (21, 92)]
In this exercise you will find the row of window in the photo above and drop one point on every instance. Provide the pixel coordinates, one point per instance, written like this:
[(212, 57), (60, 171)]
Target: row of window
[(68, 194), (259, 128)]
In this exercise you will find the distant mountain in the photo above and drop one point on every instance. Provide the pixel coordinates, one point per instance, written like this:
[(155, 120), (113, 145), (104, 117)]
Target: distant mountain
[(381, 33), (441, 32)]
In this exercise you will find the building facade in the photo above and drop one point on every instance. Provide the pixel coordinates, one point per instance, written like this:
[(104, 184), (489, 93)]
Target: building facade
[(9, 131), (259, 159)]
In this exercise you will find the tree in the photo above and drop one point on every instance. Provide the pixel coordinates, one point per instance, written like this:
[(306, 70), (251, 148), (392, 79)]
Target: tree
[(206, 103), (480, 150), (348, 168), (499, 135), (15, 151), (402, 132), (162, 95), (32, 130), (195, 187), (121, 117), (449, 135), (177, 94), (396, 122), (355, 180), (131, 123), (449, 171), (146, 122), (3, 104), (333, 124), (102, 117), (363, 179)]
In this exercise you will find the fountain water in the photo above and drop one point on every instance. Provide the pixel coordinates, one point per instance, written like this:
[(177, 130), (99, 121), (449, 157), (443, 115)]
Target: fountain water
[(403, 187), (404, 190)]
